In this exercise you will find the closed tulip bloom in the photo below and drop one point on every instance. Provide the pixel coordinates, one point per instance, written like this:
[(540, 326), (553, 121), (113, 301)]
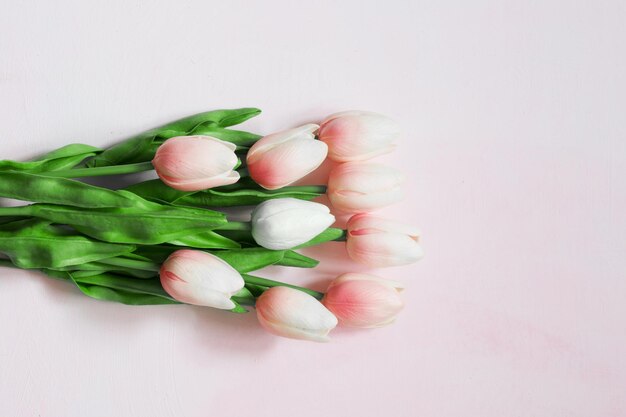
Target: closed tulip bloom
[(193, 163), (359, 187), (284, 223), (358, 135), (281, 158), (294, 314), (199, 278), (379, 242), (361, 300)]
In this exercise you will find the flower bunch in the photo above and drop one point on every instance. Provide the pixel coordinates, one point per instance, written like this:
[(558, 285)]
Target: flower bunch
[(169, 240)]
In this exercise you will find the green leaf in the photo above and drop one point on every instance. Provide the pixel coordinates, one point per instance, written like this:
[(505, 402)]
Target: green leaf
[(238, 308), (42, 189), (242, 139), (72, 149), (63, 158), (36, 244), (330, 234), (130, 225), (298, 260), (246, 260), (141, 148), (256, 290), (247, 196), (205, 240), (156, 190), (111, 287)]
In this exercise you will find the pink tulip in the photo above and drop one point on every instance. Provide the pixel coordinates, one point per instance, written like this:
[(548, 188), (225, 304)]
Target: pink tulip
[(379, 242), (281, 158), (294, 314), (358, 187), (361, 300), (199, 278), (193, 163), (358, 135)]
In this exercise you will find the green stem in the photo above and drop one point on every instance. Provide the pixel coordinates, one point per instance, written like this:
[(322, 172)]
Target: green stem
[(343, 237), (15, 211), (101, 171), (264, 282), (131, 264), (245, 226)]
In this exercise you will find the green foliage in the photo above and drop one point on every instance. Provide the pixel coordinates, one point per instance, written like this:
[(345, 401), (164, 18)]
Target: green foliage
[(38, 244), (141, 148), (42, 189), (244, 192), (62, 158), (156, 225)]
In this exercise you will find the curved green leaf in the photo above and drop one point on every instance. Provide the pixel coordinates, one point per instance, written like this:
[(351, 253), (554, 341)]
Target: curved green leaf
[(130, 225), (141, 148), (35, 244), (42, 189), (63, 158)]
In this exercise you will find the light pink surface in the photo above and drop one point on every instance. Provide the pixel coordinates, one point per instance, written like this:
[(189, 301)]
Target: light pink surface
[(515, 153)]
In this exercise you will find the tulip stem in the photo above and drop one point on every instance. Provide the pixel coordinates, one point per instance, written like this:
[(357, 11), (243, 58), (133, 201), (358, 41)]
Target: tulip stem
[(264, 282), (245, 226), (101, 171)]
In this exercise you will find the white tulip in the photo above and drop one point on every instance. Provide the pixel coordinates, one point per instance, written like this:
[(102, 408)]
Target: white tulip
[(199, 278), (284, 223)]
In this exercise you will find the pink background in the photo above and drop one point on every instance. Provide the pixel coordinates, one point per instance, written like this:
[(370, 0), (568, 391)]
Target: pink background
[(516, 156)]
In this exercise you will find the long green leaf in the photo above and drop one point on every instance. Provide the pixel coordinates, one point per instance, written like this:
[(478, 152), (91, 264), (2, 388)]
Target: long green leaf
[(130, 225), (141, 148), (63, 158), (35, 244), (245, 192), (42, 189)]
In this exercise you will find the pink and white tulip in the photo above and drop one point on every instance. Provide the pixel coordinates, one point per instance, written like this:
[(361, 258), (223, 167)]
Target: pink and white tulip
[(199, 278), (294, 314), (361, 300), (282, 158), (378, 242), (284, 223), (358, 135), (359, 187), (193, 163)]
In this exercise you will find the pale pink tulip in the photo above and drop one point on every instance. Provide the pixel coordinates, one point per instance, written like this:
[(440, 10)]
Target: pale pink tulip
[(358, 135), (197, 277), (378, 242), (359, 187), (294, 314), (193, 163), (361, 300), (281, 158)]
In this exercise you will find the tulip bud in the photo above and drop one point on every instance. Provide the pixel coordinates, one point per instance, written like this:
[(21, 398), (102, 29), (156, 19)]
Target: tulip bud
[(294, 314), (193, 163), (356, 187), (197, 277), (284, 223), (378, 242), (358, 135), (361, 300), (281, 158)]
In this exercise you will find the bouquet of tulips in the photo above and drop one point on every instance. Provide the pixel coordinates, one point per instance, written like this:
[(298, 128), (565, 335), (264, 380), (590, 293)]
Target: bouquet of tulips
[(168, 240)]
